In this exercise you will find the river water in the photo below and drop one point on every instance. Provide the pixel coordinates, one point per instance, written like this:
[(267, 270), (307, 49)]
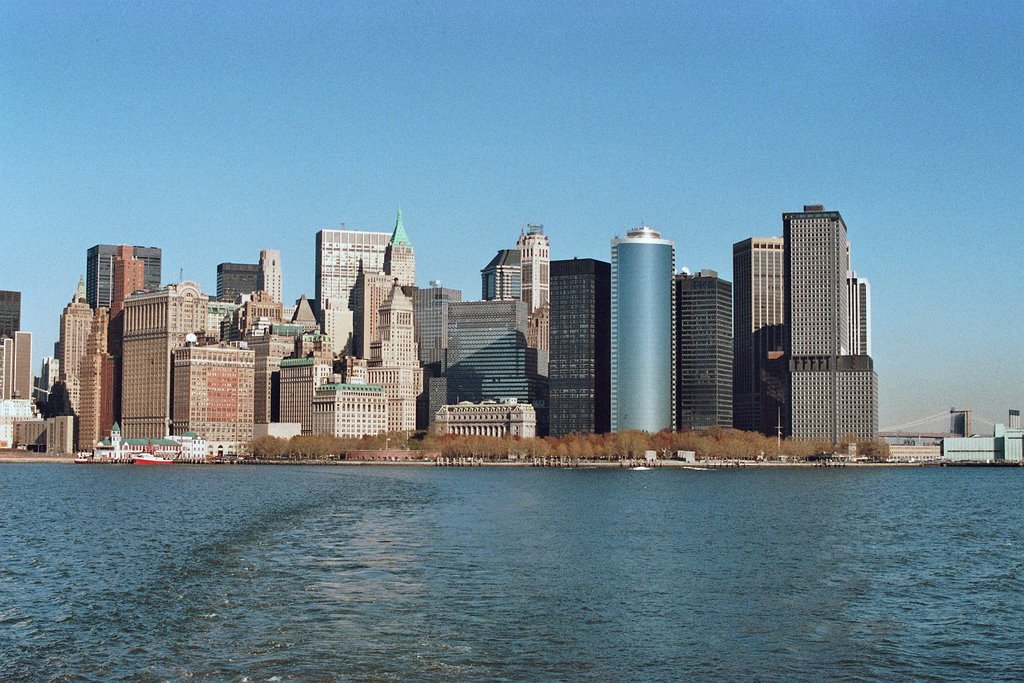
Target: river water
[(407, 573)]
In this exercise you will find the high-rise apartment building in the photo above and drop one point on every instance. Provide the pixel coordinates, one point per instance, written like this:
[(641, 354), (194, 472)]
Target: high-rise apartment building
[(831, 392), (270, 278), (10, 312), (234, 279), (399, 260), (703, 351), (642, 345), (580, 361), (759, 373), (99, 272), (394, 361), (155, 323), (858, 290), (75, 326), (535, 259), (502, 278), (213, 394)]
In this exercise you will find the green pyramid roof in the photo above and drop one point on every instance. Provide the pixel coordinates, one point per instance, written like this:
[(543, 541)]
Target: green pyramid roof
[(398, 237)]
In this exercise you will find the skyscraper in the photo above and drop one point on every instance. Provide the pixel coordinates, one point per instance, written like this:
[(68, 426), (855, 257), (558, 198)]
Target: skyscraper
[(642, 348), (270, 279), (155, 323), (832, 393), (703, 351), (369, 293), (99, 271), (580, 362), (213, 394), (502, 278), (16, 366), (859, 293), (237, 278), (394, 362), (75, 325), (430, 317), (759, 378), (535, 257), (95, 411), (399, 260), (10, 313), (340, 256), (488, 358)]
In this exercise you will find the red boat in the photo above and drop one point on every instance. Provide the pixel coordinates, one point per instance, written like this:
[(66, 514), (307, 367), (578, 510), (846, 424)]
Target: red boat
[(150, 459)]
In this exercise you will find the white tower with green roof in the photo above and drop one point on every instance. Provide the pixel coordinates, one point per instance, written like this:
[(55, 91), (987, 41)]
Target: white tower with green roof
[(399, 260)]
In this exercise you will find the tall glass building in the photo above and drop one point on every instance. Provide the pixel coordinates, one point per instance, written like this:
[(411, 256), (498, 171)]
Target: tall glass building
[(643, 349)]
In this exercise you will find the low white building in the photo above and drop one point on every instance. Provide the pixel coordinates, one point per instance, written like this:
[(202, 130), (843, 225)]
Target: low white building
[(13, 410), (502, 418)]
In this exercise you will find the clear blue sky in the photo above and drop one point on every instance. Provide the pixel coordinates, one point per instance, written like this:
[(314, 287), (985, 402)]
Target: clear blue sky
[(213, 130)]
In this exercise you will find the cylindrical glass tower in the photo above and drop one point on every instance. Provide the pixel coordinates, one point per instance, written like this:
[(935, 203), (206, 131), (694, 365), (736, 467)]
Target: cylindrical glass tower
[(643, 351)]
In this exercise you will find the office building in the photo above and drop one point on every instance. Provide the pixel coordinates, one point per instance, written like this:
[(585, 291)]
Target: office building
[(704, 351), (858, 291), (269, 350), (349, 410), (10, 312), (394, 361), (99, 272), (75, 325), (580, 361), (642, 345), (760, 376), (234, 279), (95, 409), (368, 295), (269, 278), (213, 394), (499, 419), (399, 259), (49, 374), (16, 366), (430, 317), (832, 392), (488, 358), (501, 279), (340, 255), (155, 323), (535, 258), (300, 378)]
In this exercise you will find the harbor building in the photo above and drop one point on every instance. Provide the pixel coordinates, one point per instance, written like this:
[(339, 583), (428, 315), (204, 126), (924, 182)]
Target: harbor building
[(349, 410), (580, 363), (155, 323), (704, 351), (213, 394), (269, 278), (832, 391), (760, 374), (642, 321), (99, 271), (1004, 446), (234, 279), (502, 419)]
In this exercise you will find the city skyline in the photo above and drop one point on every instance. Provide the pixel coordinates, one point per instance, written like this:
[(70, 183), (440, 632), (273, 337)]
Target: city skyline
[(709, 148)]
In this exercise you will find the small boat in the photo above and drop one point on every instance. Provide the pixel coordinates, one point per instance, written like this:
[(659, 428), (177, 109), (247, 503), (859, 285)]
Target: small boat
[(150, 459), (84, 458), (640, 468)]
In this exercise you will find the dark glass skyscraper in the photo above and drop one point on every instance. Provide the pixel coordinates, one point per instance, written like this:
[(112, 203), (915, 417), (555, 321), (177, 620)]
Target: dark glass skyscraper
[(703, 351), (643, 351), (99, 271), (237, 278), (10, 313), (580, 361), (430, 318)]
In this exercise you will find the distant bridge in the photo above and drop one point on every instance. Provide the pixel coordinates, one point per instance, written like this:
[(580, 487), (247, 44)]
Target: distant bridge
[(931, 427)]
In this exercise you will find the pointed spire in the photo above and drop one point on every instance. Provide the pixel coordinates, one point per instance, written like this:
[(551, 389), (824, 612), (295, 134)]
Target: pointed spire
[(80, 294), (398, 237)]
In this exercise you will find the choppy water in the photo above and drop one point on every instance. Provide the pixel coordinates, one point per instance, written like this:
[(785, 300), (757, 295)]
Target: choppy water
[(276, 573)]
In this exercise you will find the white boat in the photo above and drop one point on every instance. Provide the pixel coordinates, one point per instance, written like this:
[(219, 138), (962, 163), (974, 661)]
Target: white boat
[(639, 468), (150, 459)]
